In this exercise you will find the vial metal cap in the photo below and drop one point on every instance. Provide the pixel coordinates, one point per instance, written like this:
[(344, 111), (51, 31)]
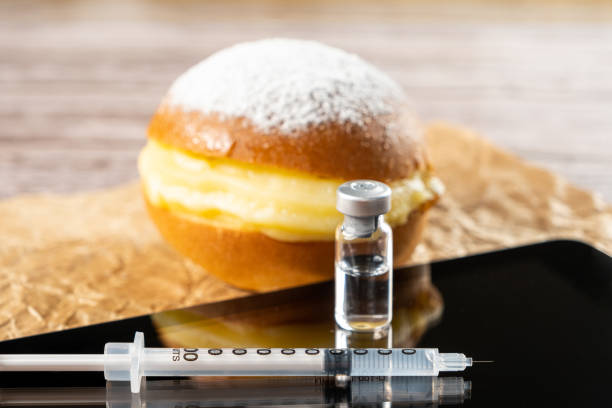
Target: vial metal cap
[(363, 198)]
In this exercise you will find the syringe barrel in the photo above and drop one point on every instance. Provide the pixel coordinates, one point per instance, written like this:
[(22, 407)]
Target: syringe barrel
[(122, 359), (132, 361), (289, 362)]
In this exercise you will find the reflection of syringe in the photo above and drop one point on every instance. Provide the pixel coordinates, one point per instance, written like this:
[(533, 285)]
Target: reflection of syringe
[(252, 392), (132, 361)]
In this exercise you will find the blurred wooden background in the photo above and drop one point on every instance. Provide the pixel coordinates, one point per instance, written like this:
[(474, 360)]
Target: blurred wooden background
[(80, 79)]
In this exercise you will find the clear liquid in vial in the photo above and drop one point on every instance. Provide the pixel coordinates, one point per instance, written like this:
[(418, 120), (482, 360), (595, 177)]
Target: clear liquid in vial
[(363, 293)]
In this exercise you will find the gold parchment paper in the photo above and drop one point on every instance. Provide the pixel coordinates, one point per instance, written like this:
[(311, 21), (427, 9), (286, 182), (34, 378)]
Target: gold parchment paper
[(85, 258)]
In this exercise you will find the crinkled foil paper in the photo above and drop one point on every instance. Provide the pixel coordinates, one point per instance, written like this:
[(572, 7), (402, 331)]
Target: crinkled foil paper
[(85, 258)]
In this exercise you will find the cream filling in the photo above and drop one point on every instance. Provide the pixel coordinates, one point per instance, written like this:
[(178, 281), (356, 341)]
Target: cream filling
[(282, 204)]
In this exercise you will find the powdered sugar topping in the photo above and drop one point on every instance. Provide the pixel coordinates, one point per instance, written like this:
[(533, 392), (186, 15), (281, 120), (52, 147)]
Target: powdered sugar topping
[(287, 85)]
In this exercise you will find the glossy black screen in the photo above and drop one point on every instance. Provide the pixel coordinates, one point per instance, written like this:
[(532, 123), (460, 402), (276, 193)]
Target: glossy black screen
[(542, 313)]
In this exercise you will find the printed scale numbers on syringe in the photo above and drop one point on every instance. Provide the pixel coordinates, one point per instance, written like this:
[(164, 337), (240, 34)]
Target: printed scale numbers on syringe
[(132, 361)]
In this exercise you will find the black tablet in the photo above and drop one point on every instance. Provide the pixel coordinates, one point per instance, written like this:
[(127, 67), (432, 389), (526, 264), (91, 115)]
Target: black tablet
[(542, 313)]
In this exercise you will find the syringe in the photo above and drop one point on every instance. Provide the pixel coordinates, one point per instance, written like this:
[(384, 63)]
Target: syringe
[(132, 361)]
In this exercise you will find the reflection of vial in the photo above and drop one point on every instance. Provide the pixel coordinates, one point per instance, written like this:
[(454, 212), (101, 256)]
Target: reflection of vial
[(364, 257)]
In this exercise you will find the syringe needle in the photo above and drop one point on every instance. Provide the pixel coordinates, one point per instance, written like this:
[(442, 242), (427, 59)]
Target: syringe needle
[(483, 361)]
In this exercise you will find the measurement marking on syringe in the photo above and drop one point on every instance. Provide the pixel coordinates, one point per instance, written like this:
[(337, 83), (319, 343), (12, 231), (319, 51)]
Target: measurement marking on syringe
[(190, 354)]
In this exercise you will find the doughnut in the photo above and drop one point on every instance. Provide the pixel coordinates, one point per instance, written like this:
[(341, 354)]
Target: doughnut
[(246, 151)]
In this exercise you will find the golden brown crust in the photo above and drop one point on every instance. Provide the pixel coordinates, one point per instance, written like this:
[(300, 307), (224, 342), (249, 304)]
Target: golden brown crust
[(253, 261), (384, 149)]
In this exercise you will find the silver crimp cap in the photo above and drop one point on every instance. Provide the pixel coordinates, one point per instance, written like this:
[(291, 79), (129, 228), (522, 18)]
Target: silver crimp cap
[(363, 198)]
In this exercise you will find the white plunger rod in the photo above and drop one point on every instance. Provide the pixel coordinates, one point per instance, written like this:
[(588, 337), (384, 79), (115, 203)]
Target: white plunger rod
[(52, 362)]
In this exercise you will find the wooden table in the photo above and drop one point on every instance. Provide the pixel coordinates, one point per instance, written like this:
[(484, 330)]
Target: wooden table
[(79, 80)]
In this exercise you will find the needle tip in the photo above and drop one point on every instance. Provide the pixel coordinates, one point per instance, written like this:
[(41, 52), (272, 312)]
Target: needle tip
[(483, 361)]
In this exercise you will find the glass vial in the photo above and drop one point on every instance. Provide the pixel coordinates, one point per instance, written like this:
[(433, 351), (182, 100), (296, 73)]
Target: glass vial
[(364, 257)]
